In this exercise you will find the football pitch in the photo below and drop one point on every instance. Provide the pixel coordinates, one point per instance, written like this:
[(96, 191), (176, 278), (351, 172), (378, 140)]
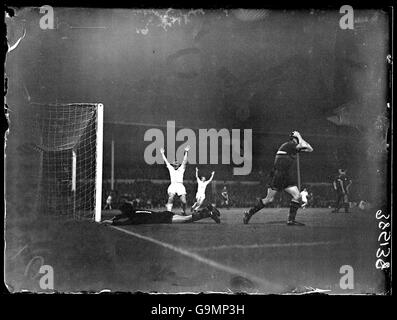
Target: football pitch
[(265, 256)]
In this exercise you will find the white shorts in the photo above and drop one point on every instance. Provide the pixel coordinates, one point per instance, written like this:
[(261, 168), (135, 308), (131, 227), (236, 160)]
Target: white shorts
[(200, 197), (176, 188)]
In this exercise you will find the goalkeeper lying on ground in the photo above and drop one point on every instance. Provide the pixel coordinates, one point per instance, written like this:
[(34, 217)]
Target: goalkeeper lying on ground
[(131, 215)]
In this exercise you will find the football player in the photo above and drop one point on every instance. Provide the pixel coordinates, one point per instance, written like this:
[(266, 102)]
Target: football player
[(109, 201), (176, 187), (225, 197), (282, 179), (201, 186), (131, 215), (341, 185), (304, 195)]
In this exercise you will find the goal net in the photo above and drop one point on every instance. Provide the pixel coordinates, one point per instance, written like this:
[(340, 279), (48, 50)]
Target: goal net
[(69, 138)]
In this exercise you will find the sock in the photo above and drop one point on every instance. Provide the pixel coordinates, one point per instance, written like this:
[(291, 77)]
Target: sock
[(184, 208), (202, 214), (346, 205), (293, 209), (169, 206), (257, 207)]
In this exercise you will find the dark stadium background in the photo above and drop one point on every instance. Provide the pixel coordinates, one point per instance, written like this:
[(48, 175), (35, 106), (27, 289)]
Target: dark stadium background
[(287, 71), (272, 72)]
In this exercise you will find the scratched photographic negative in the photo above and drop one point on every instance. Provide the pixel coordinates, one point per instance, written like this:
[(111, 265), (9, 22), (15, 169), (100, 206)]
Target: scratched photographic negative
[(175, 150)]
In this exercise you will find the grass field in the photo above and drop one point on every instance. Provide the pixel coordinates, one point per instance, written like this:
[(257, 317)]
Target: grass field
[(265, 256)]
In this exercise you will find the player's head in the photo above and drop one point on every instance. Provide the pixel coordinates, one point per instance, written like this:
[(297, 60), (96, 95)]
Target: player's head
[(203, 179), (342, 171), (176, 164), (293, 137)]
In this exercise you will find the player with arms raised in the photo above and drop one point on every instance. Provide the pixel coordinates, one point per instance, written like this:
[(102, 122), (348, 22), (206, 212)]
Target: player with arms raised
[(201, 186), (176, 187), (281, 178)]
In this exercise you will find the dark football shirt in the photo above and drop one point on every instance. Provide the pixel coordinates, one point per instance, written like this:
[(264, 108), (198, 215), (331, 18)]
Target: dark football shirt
[(285, 161), (342, 180), (132, 215)]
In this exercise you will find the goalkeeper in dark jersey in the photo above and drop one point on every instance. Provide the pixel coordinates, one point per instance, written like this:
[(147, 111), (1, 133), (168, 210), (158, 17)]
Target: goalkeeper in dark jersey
[(282, 179), (131, 215)]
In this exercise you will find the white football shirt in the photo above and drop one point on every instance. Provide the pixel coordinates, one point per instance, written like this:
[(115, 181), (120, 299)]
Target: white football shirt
[(201, 186), (176, 176)]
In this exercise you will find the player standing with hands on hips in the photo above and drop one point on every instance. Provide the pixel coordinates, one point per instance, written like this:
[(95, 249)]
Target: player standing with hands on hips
[(225, 197), (176, 187), (282, 179), (341, 185)]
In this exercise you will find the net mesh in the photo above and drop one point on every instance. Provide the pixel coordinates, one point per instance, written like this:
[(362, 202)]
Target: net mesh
[(65, 137)]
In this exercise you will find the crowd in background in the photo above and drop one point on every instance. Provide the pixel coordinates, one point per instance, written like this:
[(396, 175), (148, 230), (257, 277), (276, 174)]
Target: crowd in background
[(151, 195), (223, 173)]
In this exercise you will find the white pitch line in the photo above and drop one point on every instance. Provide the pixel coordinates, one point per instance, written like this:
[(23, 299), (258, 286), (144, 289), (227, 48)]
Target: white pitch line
[(267, 245), (204, 260)]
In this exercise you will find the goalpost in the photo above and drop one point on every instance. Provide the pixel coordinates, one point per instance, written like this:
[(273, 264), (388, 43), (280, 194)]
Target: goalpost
[(99, 162), (70, 140)]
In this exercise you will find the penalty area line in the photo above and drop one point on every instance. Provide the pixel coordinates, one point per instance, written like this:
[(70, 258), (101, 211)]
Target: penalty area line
[(197, 257)]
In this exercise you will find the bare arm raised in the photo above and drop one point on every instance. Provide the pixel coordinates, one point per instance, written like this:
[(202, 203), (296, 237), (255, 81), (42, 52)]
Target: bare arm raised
[(187, 148), (302, 145), (164, 158), (212, 176)]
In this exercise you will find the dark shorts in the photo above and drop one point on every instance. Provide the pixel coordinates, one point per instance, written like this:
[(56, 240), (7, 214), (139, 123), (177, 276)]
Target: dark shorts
[(341, 197), (281, 179)]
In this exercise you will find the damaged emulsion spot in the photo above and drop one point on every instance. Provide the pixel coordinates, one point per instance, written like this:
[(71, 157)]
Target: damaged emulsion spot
[(9, 14), (167, 19)]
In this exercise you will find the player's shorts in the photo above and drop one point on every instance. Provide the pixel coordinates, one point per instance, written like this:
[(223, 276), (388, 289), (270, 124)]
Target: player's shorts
[(342, 197), (200, 197), (281, 179), (176, 188)]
